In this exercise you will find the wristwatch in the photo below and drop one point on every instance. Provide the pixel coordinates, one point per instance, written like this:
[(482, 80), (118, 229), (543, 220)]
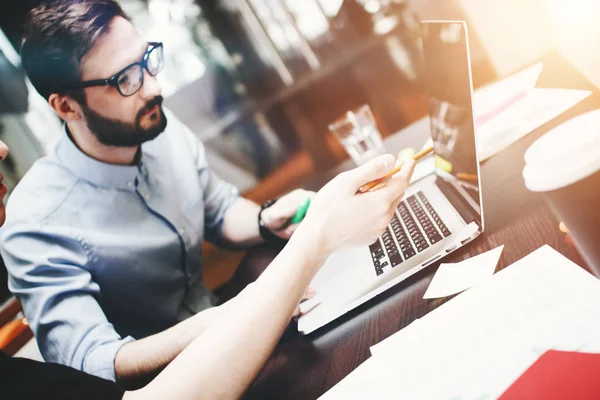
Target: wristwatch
[(265, 232)]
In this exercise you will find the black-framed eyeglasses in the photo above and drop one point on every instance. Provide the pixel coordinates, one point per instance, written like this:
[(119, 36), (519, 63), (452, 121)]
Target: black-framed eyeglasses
[(131, 78)]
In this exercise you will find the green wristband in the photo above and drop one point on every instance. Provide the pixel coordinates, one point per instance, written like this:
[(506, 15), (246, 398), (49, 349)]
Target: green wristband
[(301, 212)]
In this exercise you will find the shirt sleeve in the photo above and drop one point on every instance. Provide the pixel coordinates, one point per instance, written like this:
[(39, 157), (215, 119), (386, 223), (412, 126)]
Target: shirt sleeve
[(218, 195), (48, 272)]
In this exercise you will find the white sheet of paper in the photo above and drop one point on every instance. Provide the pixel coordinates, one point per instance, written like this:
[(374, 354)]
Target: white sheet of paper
[(380, 347), (488, 98), (455, 278), (524, 116), (477, 344), (368, 380)]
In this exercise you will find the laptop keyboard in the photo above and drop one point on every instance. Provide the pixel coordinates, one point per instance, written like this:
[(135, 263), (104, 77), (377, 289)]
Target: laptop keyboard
[(415, 227)]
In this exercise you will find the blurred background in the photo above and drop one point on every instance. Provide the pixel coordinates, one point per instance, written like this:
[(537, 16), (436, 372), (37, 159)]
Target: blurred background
[(259, 80)]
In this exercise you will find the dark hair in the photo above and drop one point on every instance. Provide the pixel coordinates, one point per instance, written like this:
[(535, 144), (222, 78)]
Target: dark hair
[(58, 34)]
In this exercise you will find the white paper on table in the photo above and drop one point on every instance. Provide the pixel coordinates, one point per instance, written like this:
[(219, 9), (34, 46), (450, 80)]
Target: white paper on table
[(455, 278), (477, 344), (490, 99), (382, 346), (524, 116), (368, 380)]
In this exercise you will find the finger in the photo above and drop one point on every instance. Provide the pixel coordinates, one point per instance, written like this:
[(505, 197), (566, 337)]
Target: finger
[(408, 169), (395, 205), (286, 233), (289, 231), (278, 214), (374, 169), (293, 201), (395, 187)]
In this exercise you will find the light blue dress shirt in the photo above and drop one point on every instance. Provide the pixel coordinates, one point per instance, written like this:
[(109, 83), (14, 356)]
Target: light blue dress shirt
[(100, 254)]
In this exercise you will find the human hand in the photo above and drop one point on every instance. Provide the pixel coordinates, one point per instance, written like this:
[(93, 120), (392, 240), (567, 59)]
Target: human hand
[(339, 216), (277, 217)]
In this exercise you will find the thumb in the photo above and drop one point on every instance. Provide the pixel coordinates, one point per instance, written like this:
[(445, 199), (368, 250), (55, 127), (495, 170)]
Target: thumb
[(374, 169)]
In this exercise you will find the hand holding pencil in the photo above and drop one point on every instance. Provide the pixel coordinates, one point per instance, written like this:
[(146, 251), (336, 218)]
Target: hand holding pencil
[(340, 216), (417, 157), (295, 209)]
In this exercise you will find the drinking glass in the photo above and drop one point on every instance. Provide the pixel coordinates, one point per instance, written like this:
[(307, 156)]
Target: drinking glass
[(358, 133)]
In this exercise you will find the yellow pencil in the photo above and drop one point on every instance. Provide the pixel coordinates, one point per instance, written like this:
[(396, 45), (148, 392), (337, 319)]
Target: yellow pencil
[(417, 157)]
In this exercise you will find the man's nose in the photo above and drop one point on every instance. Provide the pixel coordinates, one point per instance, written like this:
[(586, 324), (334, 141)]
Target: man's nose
[(151, 88)]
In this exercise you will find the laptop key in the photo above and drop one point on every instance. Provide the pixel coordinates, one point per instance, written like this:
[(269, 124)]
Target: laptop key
[(422, 247), (396, 260), (376, 249), (414, 226), (435, 239), (409, 253), (377, 254)]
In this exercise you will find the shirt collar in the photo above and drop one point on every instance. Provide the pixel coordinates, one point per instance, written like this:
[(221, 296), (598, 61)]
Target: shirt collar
[(96, 172)]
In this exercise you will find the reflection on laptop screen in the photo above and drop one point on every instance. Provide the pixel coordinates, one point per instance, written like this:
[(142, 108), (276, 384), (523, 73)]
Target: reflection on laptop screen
[(445, 49)]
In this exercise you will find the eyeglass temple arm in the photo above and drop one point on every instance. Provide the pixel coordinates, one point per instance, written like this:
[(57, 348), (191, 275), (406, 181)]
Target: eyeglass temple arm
[(92, 83)]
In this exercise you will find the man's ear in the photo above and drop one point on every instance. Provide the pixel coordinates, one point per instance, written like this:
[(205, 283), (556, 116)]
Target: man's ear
[(65, 107)]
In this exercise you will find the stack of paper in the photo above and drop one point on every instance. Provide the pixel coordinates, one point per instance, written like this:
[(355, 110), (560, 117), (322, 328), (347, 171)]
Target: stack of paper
[(478, 343), (513, 107)]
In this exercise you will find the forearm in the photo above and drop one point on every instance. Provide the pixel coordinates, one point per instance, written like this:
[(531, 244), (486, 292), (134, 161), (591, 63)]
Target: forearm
[(240, 226), (137, 360), (234, 350)]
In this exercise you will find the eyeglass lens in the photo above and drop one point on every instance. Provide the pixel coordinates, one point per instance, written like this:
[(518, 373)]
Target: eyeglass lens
[(130, 80)]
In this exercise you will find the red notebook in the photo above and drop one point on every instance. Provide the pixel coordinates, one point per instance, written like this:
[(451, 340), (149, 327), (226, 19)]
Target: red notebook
[(559, 375)]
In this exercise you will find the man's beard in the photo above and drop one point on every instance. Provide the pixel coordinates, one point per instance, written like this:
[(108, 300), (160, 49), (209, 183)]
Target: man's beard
[(112, 132)]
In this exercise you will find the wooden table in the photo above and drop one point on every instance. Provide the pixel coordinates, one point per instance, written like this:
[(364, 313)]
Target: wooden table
[(305, 367)]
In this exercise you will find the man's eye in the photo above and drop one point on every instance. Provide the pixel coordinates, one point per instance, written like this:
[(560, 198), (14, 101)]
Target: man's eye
[(124, 80)]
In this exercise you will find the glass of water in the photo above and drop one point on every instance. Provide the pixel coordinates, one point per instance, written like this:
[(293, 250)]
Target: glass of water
[(358, 133)]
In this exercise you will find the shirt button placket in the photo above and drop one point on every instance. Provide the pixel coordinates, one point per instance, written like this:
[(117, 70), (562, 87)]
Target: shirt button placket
[(184, 238)]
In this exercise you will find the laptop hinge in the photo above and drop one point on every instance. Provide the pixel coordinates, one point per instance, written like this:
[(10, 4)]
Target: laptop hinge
[(463, 208)]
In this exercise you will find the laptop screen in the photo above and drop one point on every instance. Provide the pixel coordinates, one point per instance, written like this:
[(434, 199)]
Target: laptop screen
[(448, 74)]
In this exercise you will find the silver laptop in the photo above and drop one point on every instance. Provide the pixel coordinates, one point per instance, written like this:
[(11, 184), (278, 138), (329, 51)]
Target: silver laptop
[(439, 213)]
